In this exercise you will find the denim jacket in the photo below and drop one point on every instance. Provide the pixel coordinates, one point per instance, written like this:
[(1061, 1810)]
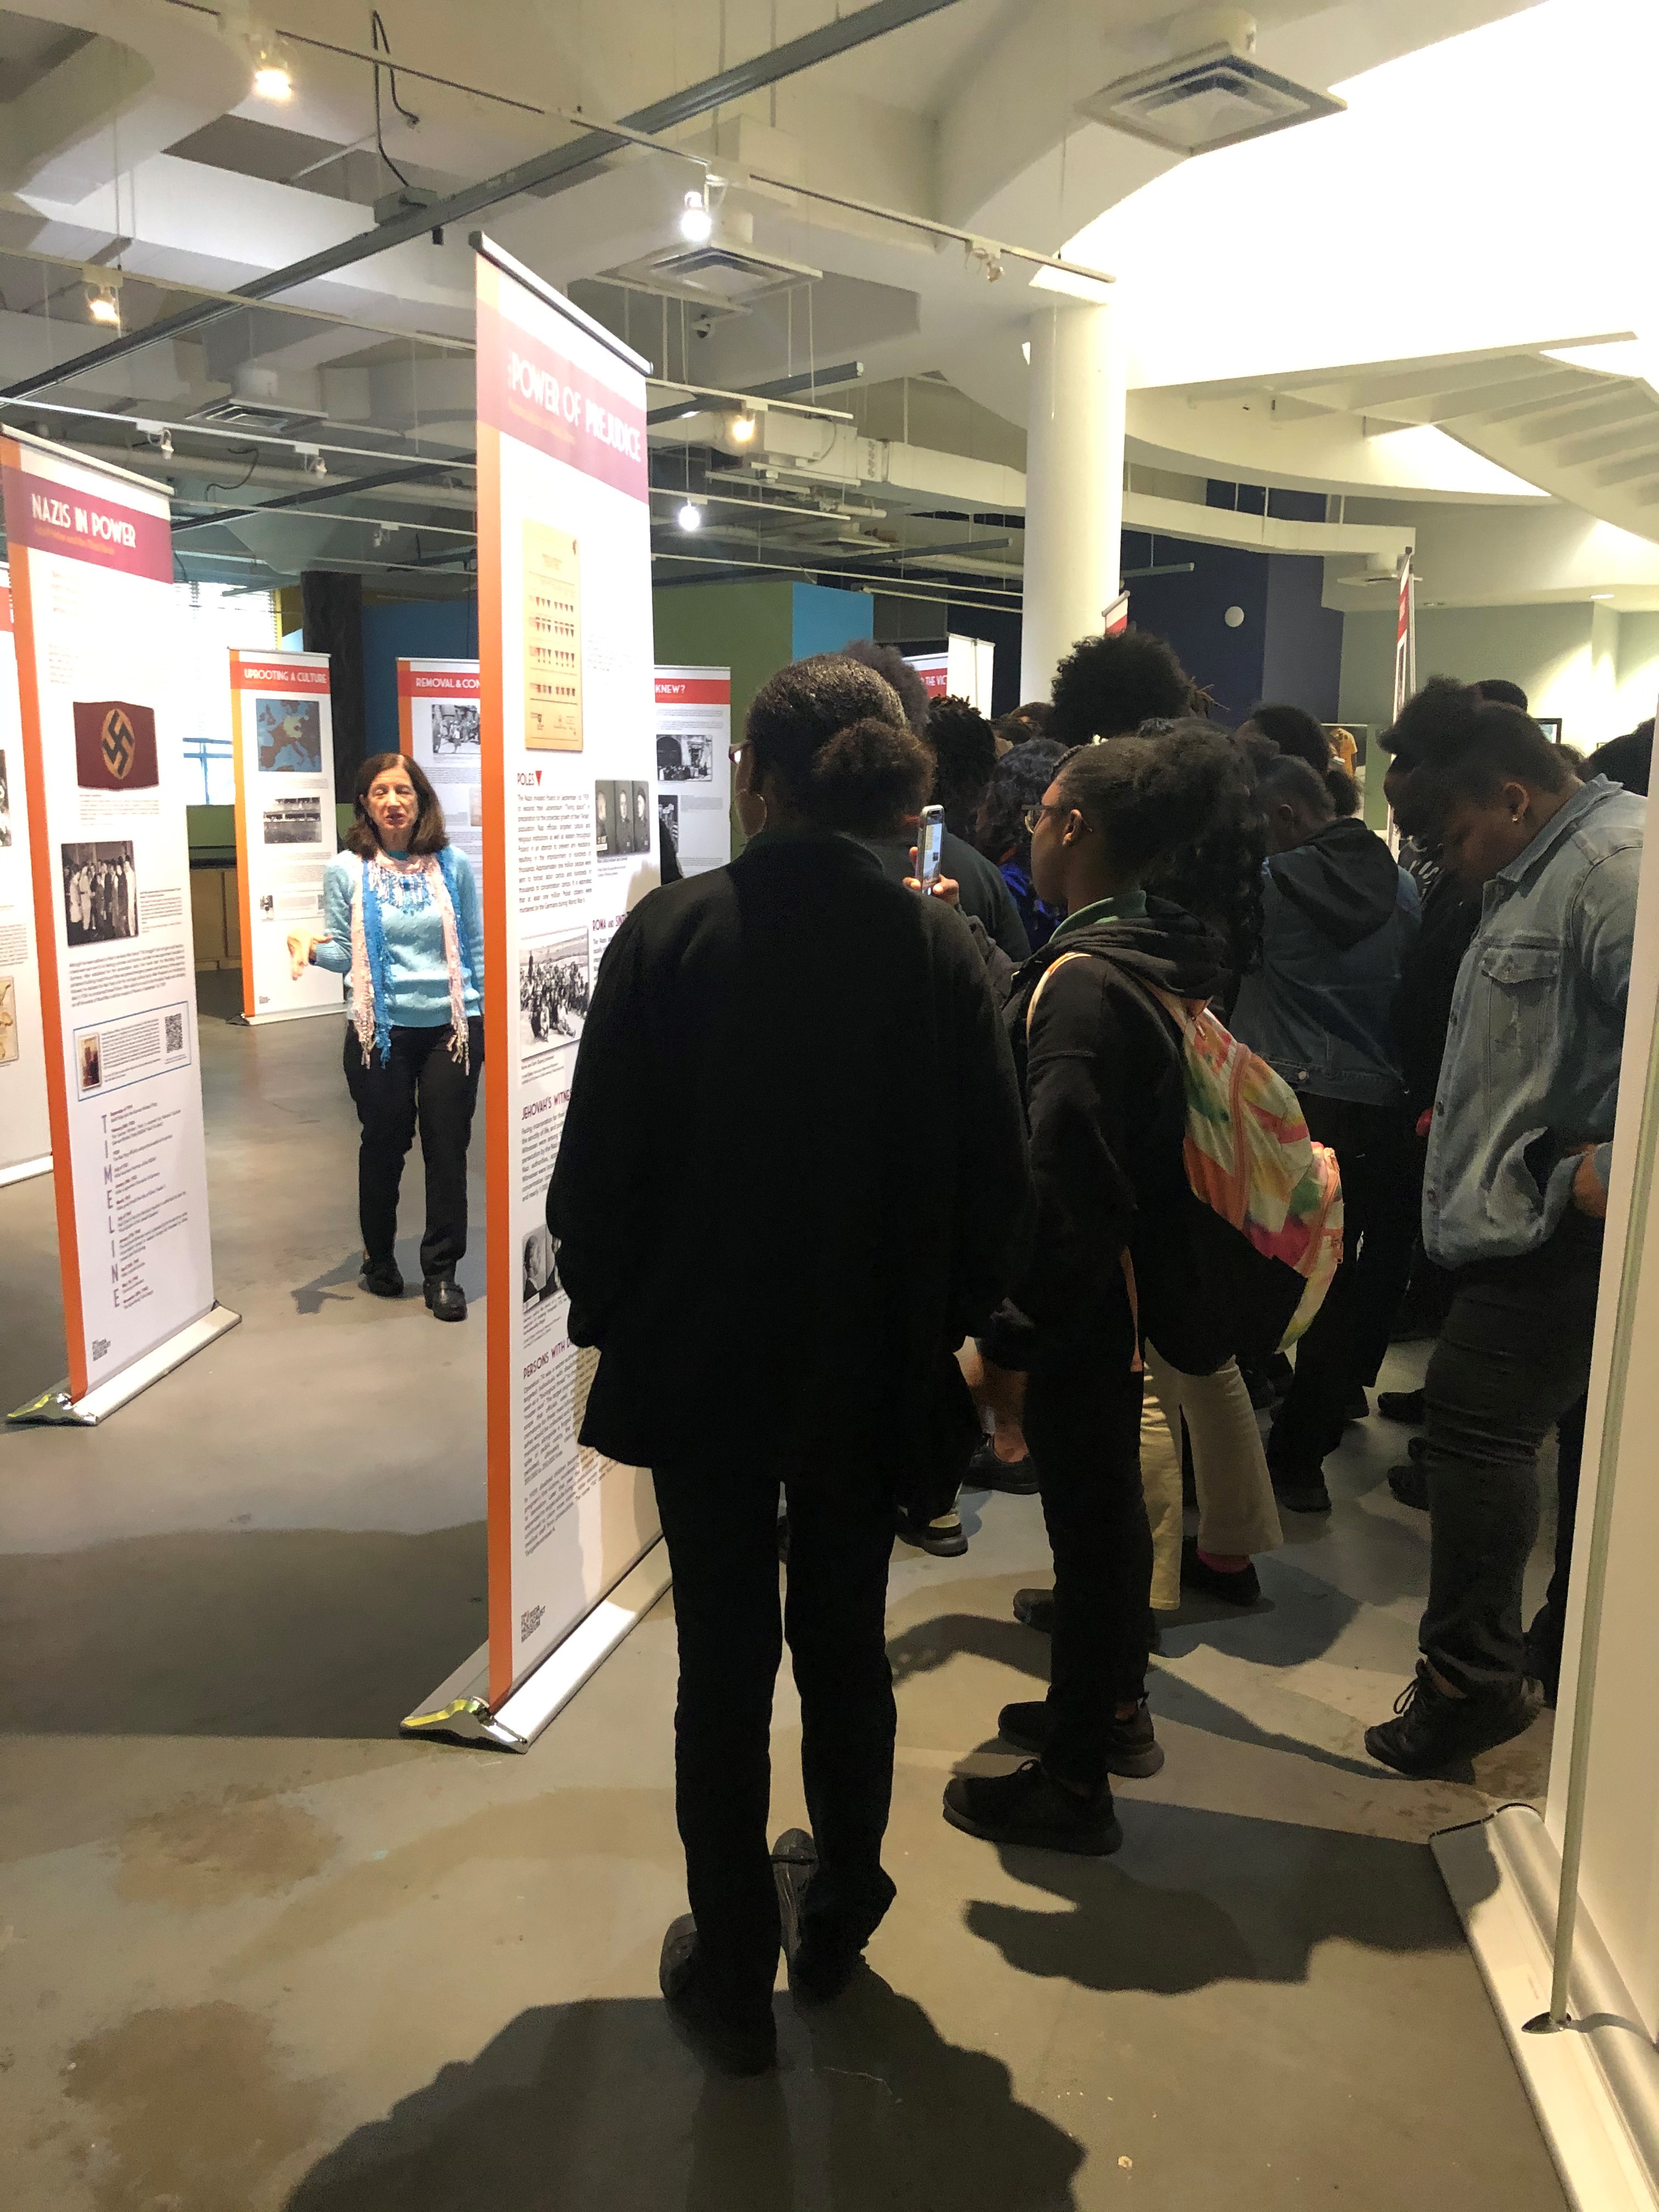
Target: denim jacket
[(1537, 1028)]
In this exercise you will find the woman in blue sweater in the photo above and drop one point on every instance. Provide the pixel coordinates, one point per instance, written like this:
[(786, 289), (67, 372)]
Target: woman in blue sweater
[(402, 909)]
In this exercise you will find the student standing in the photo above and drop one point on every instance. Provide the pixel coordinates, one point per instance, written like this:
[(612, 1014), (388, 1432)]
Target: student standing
[(402, 909)]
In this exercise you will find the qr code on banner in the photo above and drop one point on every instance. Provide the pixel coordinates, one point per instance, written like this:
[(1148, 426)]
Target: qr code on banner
[(175, 1032), (531, 1621)]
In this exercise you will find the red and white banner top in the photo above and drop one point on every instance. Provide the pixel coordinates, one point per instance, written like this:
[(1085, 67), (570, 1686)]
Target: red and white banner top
[(533, 386), (414, 681), (254, 671), (934, 670), (50, 515), (693, 690)]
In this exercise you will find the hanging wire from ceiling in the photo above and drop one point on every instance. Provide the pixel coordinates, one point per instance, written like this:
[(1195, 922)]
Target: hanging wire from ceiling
[(379, 43)]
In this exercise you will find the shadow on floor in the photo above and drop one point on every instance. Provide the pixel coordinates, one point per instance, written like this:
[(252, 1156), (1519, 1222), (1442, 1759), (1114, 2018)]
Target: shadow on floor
[(285, 1632), (1198, 1897), (594, 2105)]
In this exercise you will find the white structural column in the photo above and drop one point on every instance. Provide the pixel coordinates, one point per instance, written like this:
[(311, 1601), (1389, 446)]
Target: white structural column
[(1074, 480)]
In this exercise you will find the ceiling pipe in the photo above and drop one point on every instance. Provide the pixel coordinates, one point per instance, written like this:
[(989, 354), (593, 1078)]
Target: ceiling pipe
[(560, 163)]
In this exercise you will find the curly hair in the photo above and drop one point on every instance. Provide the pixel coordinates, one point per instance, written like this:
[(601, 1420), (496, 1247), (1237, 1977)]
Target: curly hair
[(890, 665), (965, 748), (1018, 780), (1218, 875), (833, 735), (1108, 686), (1147, 797), (429, 835)]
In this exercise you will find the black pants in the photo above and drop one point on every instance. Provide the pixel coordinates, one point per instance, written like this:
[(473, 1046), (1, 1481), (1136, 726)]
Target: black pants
[(1513, 1359), (1343, 1347), (1083, 1425), (720, 1520), (1547, 1634), (421, 1083)]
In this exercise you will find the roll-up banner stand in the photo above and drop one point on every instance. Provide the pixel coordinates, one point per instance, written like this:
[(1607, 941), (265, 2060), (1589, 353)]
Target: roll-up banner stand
[(694, 770), (282, 730), (91, 559), (25, 1127), (438, 730), (964, 670), (565, 635)]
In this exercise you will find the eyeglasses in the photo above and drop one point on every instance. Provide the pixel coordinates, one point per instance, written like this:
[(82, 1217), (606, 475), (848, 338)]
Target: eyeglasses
[(1034, 814)]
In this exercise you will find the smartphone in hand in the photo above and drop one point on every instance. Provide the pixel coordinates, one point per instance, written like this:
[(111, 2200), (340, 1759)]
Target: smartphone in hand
[(930, 841)]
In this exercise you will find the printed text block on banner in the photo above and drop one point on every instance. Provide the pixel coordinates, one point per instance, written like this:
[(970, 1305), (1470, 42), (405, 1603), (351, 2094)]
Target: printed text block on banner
[(282, 726)]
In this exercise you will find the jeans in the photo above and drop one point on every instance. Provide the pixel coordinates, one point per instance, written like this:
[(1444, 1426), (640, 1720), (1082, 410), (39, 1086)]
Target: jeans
[(720, 1521), (1083, 1425), (1513, 1359), (1343, 1348), (420, 1082)]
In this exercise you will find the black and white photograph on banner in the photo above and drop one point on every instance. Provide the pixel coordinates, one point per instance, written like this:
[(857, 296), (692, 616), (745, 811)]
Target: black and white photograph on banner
[(293, 822), (5, 804), (687, 759), (668, 816), (641, 816), (622, 818), (290, 736), (540, 1282), (605, 818), (91, 1062), (553, 982), (100, 893), (454, 727), (8, 1019)]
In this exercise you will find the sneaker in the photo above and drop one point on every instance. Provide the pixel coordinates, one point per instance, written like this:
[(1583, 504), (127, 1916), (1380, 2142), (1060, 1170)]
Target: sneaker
[(1410, 1483), (818, 1970), (1405, 1406), (1233, 1586), (1030, 1807), (381, 1277), (1133, 1750), (1035, 1609), (1301, 1492), (987, 1472), (748, 2045), (943, 1535), (1433, 1731)]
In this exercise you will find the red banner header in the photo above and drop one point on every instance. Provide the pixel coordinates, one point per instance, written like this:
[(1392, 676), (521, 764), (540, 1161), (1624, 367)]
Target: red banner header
[(50, 517), (436, 683), (529, 390), (694, 691), (249, 673)]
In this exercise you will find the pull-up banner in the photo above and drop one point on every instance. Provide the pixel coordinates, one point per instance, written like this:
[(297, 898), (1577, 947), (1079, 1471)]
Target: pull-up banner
[(438, 730), (694, 768), (282, 723), (91, 577), (564, 634), (25, 1131)]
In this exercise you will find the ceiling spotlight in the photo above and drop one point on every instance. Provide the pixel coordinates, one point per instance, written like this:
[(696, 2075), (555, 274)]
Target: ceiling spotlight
[(741, 429), (310, 458), (104, 304), (696, 220), (272, 81), (158, 435), (689, 516), (988, 257)]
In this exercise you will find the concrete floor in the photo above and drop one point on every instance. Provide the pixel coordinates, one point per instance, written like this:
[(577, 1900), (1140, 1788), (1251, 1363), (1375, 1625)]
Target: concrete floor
[(256, 1952)]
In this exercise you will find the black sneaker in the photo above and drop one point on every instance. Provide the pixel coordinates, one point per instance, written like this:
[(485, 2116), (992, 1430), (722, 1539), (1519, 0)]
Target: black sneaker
[(987, 1472), (1030, 1807), (735, 2046), (1300, 1490), (1133, 1750), (1410, 1483), (1233, 1586), (1035, 1609), (381, 1277), (944, 1536), (818, 1970), (446, 1299), (1405, 1406), (1433, 1731)]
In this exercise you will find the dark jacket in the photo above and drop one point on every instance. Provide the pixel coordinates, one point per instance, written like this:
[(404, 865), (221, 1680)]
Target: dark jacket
[(1340, 915), (793, 1176), (985, 896), (1627, 760), (1106, 1105), (1428, 978)]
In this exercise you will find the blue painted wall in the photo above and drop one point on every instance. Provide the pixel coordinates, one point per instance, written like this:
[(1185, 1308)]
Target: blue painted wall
[(1302, 659), (1189, 611), (407, 629), (823, 619)]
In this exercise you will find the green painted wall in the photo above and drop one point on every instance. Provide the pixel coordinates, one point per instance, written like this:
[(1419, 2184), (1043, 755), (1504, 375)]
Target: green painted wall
[(747, 628)]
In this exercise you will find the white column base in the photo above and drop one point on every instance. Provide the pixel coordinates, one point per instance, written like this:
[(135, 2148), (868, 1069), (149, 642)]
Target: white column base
[(458, 1709), (57, 1409), (1594, 2084), (25, 1169)]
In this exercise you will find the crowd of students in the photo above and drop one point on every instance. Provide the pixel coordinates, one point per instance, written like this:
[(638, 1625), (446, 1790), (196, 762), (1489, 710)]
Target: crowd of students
[(947, 1225)]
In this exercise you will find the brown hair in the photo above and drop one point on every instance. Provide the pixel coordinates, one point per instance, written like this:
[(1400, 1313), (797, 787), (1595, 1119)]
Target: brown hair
[(429, 835)]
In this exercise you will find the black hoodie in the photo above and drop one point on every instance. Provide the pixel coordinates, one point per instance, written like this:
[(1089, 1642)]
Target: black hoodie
[(1101, 1074), (1343, 879)]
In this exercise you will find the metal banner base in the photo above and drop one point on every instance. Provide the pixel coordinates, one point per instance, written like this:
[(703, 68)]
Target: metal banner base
[(55, 1408), (283, 1014), (458, 1709), (25, 1169), (1593, 2083)]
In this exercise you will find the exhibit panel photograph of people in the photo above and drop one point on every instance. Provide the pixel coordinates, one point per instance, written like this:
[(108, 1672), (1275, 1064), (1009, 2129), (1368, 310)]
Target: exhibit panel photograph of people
[(828, 1098)]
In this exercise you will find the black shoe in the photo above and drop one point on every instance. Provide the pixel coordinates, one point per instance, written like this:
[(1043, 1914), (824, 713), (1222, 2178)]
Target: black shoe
[(735, 2046), (381, 1277), (1358, 1405), (987, 1472), (1543, 1659), (1410, 1484), (1406, 1406), (1035, 1609), (1133, 1749), (818, 1970), (943, 1535), (446, 1298), (1029, 1807), (1300, 1491), (1234, 1586), (1433, 1731)]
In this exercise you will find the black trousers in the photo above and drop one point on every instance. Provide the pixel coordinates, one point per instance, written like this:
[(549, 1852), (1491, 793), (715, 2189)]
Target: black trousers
[(720, 1521), (1547, 1634), (421, 1083), (1513, 1359), (1083, 1425), (1344, 1345)]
